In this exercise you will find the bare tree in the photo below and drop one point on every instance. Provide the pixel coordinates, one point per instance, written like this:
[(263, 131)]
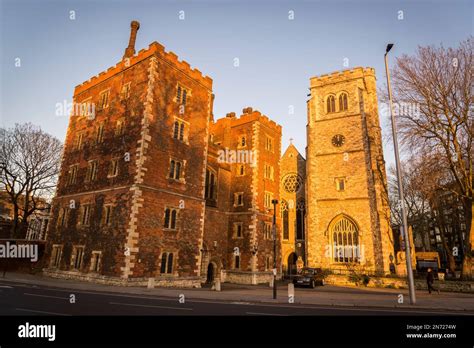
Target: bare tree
[(439, 190), (416, 199), (29, 166), (434, 97)]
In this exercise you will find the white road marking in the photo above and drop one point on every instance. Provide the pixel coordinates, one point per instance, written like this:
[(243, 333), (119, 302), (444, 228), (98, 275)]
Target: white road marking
[(309, 306), (274, 314), (43, 312), (38, 295), (6, 287), (140, 305)]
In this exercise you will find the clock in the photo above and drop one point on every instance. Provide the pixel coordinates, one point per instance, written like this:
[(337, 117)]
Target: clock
[(338, 140)]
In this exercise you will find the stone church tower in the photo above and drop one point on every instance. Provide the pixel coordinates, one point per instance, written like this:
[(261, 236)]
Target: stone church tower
[(348, 213)]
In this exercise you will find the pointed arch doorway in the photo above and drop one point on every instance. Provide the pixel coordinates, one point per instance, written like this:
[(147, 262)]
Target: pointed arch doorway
[(210, 273), (291, 264)]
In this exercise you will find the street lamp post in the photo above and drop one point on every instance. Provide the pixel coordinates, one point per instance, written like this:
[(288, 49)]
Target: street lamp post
[(274, 202), (411, 284)]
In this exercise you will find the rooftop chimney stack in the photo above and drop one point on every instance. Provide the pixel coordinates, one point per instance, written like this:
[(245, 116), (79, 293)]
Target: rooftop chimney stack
[(130, 50)]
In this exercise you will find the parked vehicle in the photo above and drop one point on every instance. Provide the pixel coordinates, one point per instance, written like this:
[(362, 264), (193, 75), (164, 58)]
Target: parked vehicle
[(311, 277)]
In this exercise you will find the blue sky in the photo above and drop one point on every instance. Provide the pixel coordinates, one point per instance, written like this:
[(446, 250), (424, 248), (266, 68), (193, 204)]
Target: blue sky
[(277, 56)]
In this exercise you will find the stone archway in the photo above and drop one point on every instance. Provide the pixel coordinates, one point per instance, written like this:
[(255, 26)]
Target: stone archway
[(291, 264), (211, 273)]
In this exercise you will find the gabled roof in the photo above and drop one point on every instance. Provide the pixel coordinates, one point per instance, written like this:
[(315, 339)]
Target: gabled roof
[(291, 149)]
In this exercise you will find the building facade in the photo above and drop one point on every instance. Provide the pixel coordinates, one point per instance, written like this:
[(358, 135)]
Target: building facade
[(130, 197), (292, 210), (348, 216), (243, 166), (151, 187)]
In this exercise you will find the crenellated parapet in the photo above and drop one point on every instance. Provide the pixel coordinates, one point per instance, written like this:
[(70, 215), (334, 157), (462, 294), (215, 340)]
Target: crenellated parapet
[(153, 49), (248, 115), (340, 76)]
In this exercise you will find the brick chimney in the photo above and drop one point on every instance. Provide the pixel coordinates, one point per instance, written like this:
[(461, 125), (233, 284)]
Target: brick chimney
[(130, 50)]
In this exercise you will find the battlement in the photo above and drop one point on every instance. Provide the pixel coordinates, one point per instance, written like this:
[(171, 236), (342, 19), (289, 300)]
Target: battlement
[(342, 75), (248, 115), (153, 49)]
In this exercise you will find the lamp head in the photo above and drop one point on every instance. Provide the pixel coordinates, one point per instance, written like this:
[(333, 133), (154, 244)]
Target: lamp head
[(389, 47)]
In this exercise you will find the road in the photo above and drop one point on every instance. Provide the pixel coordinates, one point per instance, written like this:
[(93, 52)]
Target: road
[(28, 299)]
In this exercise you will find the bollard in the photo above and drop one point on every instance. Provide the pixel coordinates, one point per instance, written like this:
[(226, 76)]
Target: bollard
[(291, 290), (151, 283), (291, 293)]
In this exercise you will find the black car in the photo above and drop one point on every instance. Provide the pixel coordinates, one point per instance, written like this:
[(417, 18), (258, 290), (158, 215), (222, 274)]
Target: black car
[(309, 277)]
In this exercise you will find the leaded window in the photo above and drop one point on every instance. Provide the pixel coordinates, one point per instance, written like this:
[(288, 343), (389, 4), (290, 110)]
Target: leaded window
[(345, 239)]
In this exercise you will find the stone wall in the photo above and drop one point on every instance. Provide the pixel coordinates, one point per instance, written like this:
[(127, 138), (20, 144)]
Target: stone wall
[(162, 281), (399, 283), (241, 277)]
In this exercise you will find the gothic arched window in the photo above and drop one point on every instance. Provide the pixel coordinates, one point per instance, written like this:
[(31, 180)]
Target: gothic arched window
[(343, 102), (211, 183), (331, 104), (166, 263), (300, 223), (176, 130), (169, 269), (285, 217), (345, 238)]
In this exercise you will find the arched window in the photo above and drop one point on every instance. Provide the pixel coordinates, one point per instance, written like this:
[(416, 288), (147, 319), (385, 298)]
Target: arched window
[(166, 263), (210, 190), (171, 216), (173, 219), (285, 217), (185, 92), (178, 171), (268, 263), (300, 213), (212, 184), (331, 104), (345, 239), (237, 261), (176, 130), (181, 132), (172, 163), (178, 94), (167, 217), (343, 102), (169, 269), (164, 259)]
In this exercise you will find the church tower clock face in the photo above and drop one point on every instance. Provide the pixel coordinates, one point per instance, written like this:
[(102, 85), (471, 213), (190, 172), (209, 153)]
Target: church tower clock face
[(338, 140)]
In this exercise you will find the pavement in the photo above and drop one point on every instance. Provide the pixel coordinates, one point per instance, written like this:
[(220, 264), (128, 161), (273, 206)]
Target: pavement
[(22, 294)]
